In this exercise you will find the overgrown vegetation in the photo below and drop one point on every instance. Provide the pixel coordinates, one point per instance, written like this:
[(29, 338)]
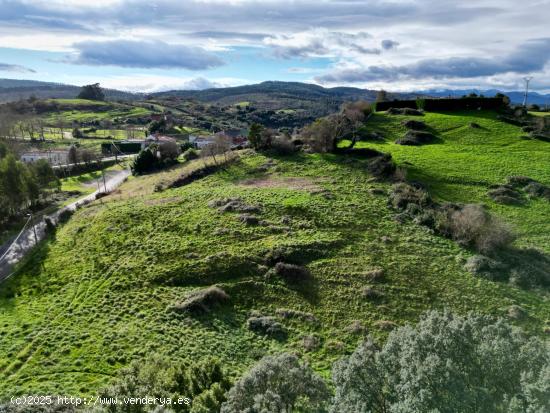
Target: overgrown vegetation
[(124, 264)]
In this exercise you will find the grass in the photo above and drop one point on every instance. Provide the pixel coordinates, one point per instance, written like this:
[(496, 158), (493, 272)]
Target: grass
[(539, 113), (467, 161), (98, 294)]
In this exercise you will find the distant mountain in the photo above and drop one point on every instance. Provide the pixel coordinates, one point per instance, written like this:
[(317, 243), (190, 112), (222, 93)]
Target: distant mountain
[(275, 90), (15, 89), (515, 96)]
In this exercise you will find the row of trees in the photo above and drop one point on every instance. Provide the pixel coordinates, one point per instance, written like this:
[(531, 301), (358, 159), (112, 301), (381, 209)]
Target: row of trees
[(23, 186), (445, 364)]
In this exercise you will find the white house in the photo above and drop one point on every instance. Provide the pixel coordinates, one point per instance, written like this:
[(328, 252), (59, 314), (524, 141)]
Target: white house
[(54, 157)]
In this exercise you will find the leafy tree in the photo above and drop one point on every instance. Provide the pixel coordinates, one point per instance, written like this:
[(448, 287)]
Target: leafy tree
[(91, 92), (72, 155), (203, 384), (278, 384), (255, 135), (446, 364), (159, 126), (381, 96), (44, 173)]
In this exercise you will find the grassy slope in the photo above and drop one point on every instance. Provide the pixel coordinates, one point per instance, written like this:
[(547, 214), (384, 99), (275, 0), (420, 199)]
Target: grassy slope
[(99, 302), (467, 160)]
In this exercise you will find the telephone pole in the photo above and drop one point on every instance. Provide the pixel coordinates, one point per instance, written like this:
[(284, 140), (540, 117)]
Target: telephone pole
[(526, 79)]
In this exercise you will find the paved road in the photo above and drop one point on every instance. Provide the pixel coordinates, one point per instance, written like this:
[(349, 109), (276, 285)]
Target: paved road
[(26, 241)]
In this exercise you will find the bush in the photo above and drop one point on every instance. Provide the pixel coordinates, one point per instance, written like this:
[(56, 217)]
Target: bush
[(404, 195), (291, 272), (505, 194), (266, 325), (486, 267), (414, 124), (278, 384), (203, 300), (282, 145), (415, 137), (381, 166), (405, 111), (202, 383), (446, 364), (473, 226), (190, 154)]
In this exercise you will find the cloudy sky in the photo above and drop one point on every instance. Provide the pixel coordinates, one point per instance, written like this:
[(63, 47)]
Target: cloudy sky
[(398, 45)]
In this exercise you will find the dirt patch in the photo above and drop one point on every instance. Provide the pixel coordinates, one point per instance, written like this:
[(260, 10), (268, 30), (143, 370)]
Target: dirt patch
[(303, 184), (161, 201)]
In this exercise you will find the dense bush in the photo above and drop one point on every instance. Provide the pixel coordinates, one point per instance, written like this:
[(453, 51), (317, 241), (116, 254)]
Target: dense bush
[(416, 137), (290, 272), (446, 364), (190, 154), (152, 158), (203, 300), (473, 226), (266, 325), (278, 384), (414, 124), (201, 384), (382, 166)]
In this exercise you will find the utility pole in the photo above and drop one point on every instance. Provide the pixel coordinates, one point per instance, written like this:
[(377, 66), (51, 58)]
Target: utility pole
[(526, 79)]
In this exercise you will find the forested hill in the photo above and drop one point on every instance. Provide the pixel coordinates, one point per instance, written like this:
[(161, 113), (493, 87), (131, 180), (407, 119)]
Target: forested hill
[(275, 89), (15, 89)]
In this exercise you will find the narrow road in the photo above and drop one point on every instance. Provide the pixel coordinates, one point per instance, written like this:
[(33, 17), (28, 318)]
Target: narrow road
[(11, 255)]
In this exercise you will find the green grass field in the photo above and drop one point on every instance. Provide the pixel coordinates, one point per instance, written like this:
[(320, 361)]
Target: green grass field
[(97, 295), (466, 161)]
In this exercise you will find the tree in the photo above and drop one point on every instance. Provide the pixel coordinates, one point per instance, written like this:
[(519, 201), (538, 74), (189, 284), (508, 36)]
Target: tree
[(381, 96), (44, 174), (91, 92), (255, 135), (202, 383), (446, 364), (72, 155), (278, 384)]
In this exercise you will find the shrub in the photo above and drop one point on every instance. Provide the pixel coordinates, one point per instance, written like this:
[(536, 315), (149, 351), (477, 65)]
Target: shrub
[(291, 272), (203, 383), (505, 194), (446, 364), (266, 325), (414, 138), (486, 267), (371, 293), (282, 145), (278, 384), (64, 215), (414, 124), (381, 166), (311, 342), (473, 226), (203, 300), (249, 220), (190, 154), (403, 195)]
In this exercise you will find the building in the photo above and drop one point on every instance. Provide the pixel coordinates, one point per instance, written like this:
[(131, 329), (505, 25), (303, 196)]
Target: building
[(54, 157)]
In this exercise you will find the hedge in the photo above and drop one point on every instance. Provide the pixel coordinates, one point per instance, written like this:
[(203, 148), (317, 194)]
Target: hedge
[(446, 104)]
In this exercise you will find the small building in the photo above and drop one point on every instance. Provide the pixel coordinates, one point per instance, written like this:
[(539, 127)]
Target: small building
[(54, 157)]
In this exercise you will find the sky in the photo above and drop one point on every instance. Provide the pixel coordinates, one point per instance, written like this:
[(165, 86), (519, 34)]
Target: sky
[(398, 45)]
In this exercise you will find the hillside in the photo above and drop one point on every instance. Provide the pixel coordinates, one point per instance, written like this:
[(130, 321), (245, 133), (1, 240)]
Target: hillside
[(104, 290), (15, 89)]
